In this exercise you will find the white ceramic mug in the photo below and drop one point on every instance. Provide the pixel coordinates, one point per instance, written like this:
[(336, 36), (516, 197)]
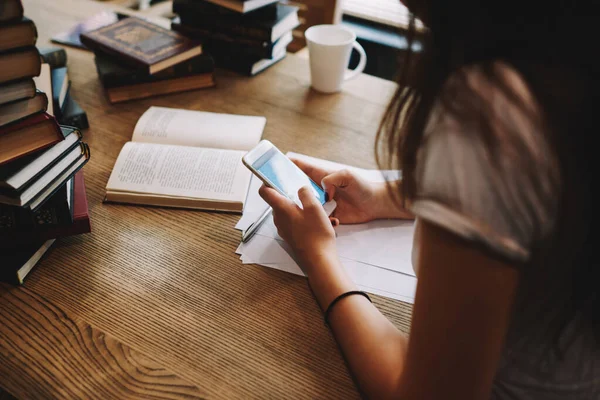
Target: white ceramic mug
[(329, 48)]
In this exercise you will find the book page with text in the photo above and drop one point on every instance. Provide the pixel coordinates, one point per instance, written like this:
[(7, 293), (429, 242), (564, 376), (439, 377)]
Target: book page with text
[(198, 129), (180, 171)]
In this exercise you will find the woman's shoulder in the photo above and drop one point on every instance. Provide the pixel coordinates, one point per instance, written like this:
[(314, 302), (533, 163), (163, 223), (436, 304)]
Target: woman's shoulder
[(486, 169), (492, 102)]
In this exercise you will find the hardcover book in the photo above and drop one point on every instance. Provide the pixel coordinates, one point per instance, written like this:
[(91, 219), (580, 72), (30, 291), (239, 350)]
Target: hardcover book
[(142, 44), (42, 197), (270, 30), (123, 84), (219, 40), (19, 64), (16, 175), (24, 89), (162, 87), (20, 261), (16, 111), (244, 6), (10, 10), (113, 74), (197, 160), (213, 41), (205, 9), (56, 211), (21, 33), (244, 65), (80, 221), (30, 135), (41, 190)]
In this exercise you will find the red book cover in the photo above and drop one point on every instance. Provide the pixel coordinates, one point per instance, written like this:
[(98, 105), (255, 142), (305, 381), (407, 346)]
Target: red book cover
[(81, 221), (81, 213), (25, 123)]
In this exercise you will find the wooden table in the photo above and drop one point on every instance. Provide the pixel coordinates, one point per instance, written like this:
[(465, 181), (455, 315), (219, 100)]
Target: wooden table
[(154, 303)]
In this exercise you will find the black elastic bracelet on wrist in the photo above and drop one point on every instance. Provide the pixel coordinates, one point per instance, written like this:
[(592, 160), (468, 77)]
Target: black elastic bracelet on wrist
[(341, 296)]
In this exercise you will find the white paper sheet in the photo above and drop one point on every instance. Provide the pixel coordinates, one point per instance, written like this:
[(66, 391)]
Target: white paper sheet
[(368, 277), (377, 254), (385, 243)]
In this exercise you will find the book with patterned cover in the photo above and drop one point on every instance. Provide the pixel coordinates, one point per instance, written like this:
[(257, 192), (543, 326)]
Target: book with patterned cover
[(141, 44), (17, 235)]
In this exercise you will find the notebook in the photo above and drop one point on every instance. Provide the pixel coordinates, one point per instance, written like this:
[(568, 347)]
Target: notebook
[(187, 159)]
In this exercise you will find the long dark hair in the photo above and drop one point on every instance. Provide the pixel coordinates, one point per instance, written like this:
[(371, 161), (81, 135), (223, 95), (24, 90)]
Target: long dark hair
[(550, 47)]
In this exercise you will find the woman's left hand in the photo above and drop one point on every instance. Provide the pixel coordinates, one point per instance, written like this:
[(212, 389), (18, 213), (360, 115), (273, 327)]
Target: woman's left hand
[(307, 230)]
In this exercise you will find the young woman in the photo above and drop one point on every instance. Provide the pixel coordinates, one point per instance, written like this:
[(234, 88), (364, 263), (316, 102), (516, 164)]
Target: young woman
[(493, 132)]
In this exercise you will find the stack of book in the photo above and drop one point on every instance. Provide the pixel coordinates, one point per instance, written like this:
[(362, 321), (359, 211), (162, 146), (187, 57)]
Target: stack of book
[(42, 194), (244, 36), (137, 59)]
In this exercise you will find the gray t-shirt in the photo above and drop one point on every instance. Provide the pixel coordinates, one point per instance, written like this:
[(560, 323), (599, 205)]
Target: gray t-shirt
[(503, 195)]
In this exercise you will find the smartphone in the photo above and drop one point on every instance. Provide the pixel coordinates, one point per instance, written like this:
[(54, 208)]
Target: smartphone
[(277, 171)]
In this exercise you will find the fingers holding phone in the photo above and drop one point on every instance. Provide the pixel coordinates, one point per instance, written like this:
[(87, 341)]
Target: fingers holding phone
[(306, 229), (357, 200), (276, 171)]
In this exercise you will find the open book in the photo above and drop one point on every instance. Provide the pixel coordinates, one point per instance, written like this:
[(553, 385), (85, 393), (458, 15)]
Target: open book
[(189, 159)]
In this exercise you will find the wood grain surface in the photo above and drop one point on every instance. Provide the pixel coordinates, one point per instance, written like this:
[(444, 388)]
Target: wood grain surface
[(74, 360), (162, 287)]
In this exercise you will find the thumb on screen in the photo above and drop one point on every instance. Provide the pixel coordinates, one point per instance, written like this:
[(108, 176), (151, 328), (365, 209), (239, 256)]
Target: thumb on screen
[(307, 197)]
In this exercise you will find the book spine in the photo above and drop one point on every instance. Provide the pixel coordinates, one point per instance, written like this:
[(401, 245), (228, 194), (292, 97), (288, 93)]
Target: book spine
[(34, 32), (4, 5), (199, 65), (25, 71), (13, 217), (36, 203), (24, 178), (209, 10), (118, 78), (78, 227), (25, 40), (55, 212), (234, 28), (242, 66), (29, 91), (216, 42), (42, 109), (56, 58), (52, 214), (144, 90)]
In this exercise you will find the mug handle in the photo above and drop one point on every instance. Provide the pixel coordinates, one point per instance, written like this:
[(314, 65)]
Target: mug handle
[(361, 64)]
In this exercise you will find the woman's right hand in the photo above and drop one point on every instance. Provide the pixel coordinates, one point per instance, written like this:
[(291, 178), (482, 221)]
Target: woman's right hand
[(358, 200)]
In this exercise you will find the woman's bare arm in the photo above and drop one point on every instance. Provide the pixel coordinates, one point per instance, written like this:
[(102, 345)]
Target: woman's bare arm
[(461, 314)]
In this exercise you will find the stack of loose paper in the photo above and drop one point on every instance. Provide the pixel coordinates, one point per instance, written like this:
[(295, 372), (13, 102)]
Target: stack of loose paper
[(377, 255)]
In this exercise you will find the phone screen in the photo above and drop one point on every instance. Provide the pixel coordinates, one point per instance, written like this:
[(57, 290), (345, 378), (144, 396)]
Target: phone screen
[(283, 174)]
